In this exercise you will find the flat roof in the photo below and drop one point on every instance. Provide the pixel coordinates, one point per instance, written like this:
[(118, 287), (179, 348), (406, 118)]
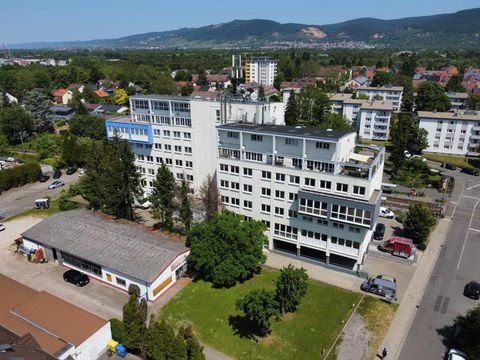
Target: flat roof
[(458, 115), (457, 95), (299, 131), (123, 246), (161, 97), (53, 322), (378, 105), (381, 88), (340, 96)]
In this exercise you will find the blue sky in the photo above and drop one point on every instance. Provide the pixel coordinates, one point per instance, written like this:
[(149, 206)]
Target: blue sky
[(54, 20)]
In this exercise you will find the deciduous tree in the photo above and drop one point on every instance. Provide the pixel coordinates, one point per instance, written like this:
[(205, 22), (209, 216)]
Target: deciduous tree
[(89, 126), (210, 197), (226, 249), (259, 307), (469, 330), (432, 97), (15, 124), (381, 78), (291, 287), (121, 97), (418, 223), (335, 122)]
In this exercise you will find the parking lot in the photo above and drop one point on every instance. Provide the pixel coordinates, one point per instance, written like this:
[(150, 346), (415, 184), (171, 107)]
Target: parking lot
[(95, 297), (384, 263)]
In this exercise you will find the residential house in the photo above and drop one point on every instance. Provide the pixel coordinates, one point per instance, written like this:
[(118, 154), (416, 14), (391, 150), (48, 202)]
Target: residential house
[(356, 82), (294, 86), (386, 93), (62, 96), (441, 76), (458, 100), (261, 70)]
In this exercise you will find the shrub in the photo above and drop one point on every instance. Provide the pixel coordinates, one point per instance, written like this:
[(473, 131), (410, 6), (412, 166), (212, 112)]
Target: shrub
[(19, 175), (133, 289), (421, 246), (117, 330), (60, 123)]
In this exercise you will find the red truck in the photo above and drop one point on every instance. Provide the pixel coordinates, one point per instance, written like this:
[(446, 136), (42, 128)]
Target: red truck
[(398, 246)]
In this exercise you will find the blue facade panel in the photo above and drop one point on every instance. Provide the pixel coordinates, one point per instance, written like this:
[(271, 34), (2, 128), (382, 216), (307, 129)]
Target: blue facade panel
[(127, 131)]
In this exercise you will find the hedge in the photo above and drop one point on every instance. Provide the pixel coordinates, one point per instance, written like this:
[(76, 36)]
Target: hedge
[(19, 175)]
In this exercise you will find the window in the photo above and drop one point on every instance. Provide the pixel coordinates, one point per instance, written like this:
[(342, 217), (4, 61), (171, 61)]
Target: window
[(178, 162), (253, 156), (177, 134), (309, 182), (188, 150), (158, 146), (247, 188), (168, 147), (181, 107), (120, 281), (247, 204), (292, 196), (178, 148), (267, 223), (350, 214), (151, 172), (224, 167), (224, 184), (235, 185), (235, 202), (160, 105), (279, 211), (255, 137), (280, 177), (358, 190), (294, 179), (337, 225), (313, 207), (279, 194), (187, 135), (289, 141), (266, 191), (292, 214), (323, 145), (267, 175), (297, 163), (233, 135), (247, 172), (82, 264), (157, 132), (189, 178), (141, 157), (286, 231), (325, 184), (224, 199), (265, 208), (189, 164), (342, 187), (140, 104), (159, 160), (179, 176), (354, 229), (234, 169), (166, 133), (168, 161)]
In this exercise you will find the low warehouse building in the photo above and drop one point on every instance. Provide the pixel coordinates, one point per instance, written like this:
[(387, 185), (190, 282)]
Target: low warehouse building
[(58, 327), (117, 252)]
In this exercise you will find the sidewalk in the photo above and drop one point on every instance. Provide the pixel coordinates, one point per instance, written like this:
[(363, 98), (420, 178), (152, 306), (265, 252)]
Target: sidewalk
[(398, 330), (317, 272)]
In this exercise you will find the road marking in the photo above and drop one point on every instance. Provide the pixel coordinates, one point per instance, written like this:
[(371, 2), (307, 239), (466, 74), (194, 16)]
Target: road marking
[(438, 303), (472, 229), (453, 202), (472, 187), (446, 301), (470, 197), (466, 235), (459, 198)]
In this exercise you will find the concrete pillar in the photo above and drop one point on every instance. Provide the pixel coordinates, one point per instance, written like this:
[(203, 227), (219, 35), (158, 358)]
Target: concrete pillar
[(327, 260)]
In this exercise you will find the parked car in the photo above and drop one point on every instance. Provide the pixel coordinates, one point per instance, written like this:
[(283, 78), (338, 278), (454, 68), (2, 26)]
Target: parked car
[(379, 231), (418, 157), (81, 172), (56, 184), (43, 178), (407, 154), (71, 171), (470, 171), (386, 277), (449, 166), (57, 174), (2, 227), (472, 290), (380, 287), (454, 354), (76, 277), (386, 213)]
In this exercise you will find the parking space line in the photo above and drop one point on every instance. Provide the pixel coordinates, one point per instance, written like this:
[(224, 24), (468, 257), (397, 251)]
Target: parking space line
[(466, 235), (472, 187), (472, 229), (470, 197)]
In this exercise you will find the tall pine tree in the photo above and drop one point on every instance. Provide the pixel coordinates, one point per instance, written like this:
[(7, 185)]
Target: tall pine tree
[(291, 111), (163, 195), (185, 209)]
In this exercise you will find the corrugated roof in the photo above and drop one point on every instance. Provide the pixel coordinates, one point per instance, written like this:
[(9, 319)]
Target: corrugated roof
[(123, 246)]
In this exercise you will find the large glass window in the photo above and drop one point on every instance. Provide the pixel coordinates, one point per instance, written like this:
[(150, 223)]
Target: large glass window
[(82, 264)]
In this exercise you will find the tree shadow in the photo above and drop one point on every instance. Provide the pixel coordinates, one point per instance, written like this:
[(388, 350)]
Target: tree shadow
[(448, 335), (244, 328), (398, 231)]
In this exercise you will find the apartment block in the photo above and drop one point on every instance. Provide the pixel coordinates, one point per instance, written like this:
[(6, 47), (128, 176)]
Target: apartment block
[(317, 191), (370, 118), (458, 100), (454, 133), (180, 131), (261, 70), (389, 93)]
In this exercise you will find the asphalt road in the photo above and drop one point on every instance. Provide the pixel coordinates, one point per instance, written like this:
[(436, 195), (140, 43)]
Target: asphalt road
[(431, 334), (19, 199)]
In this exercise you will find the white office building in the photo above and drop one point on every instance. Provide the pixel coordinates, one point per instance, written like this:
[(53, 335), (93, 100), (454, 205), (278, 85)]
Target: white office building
[(261, 70), (317, 191), (453, 133), (180, 131), (371, 119), (389, 93)]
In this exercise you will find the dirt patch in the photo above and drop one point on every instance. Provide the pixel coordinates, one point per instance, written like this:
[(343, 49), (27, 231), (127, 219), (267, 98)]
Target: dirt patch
[(355, 340)]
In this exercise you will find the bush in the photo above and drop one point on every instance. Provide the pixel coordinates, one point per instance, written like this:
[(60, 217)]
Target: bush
[(133, 289), (19, 175), (60, 123), (117, 330), (421, 246)]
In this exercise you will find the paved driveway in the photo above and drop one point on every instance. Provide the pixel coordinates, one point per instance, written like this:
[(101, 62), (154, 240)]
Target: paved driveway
[(96, 297)]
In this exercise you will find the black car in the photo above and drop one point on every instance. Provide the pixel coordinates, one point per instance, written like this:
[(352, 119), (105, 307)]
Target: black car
[(71, 171), (379, 231), (450, 166), (57, 174), (471, 171), (43, 178), (76, 277), (472, 290)]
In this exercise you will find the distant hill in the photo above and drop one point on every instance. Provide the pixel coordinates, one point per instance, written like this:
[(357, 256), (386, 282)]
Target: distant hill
[(456, 30)]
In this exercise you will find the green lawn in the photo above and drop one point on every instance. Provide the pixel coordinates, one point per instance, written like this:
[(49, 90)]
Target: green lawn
[(53, 209), (302, 335), (459, 161)]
